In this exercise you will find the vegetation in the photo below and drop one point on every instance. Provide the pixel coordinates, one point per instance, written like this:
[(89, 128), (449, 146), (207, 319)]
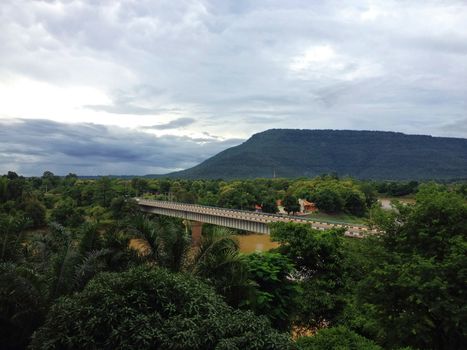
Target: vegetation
[(362, 154), (336, 338), (81, 267), (318, 259), (148, 308), (417, 292)]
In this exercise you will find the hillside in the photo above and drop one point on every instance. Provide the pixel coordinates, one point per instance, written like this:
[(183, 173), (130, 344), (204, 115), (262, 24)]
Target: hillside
[(360, 154)]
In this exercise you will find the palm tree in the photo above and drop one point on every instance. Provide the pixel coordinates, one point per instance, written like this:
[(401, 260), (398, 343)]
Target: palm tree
[(163, 242), (22, 304), (218, 260), (11, 237)]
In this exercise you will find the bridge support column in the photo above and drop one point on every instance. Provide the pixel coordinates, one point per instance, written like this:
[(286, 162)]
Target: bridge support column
[(196, 232)]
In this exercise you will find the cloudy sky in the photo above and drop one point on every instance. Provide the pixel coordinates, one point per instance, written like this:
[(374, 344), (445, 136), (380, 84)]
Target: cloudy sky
[(146, 86)]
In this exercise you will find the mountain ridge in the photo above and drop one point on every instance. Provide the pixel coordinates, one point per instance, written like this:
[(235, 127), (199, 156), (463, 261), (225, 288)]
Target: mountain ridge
[(379, 155)]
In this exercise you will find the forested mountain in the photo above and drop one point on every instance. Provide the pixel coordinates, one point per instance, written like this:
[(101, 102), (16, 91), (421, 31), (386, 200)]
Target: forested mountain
[(361, 154)]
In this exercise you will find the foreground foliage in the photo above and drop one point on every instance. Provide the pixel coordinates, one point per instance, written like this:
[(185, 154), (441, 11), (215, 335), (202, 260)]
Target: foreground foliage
[(417, 292), (318, 258), (147, 308), (337, 338)]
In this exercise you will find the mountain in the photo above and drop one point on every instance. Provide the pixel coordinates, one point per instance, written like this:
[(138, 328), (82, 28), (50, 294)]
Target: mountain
[(360, 154)]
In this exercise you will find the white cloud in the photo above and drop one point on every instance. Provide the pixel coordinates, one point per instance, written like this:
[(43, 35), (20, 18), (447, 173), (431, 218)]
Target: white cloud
[(24, 97), (323, 62)]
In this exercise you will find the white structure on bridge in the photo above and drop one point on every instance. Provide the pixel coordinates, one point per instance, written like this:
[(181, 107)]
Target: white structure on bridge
[(238, 219)]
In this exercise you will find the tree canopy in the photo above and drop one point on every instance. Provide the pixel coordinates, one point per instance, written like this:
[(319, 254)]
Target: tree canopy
[(147, 308)]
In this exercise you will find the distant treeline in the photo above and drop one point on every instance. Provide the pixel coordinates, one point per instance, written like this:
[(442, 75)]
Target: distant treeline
[(69, 198)]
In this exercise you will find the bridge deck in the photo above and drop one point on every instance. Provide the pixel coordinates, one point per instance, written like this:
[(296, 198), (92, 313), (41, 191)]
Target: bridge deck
[(241, 219)]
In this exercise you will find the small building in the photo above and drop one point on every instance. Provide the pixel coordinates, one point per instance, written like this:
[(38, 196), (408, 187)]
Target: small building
[(306, 206)]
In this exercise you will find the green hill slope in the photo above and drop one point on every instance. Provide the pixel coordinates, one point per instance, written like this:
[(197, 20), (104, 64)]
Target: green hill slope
[(360, 154)]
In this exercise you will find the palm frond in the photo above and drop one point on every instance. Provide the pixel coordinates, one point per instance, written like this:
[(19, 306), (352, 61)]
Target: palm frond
[(91, 264)]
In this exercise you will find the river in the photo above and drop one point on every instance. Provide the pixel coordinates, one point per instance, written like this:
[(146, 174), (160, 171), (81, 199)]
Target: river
[(255, 242)]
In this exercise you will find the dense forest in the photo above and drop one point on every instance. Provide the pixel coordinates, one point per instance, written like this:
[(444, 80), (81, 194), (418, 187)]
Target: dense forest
[(360, 154), (82, 268)]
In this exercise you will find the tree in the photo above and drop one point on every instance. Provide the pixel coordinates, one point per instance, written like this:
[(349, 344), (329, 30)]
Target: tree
[(369, 191), (22, 305), (49, 180), (417, 292), (147, 308), (336, 338), (355, 203), (165, 239), (274, 290), (328, 200), (139, 185), (97, 213), (11, 236), (35, 211), (67, 213), (290, 204), (122, 208), (236, 195), (269, 205), (217, 259), (104, 191), (319, 259)]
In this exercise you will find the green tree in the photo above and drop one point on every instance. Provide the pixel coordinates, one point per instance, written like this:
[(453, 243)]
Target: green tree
[(237, 196), (269, 204), (22, 305), (123, 208), (11, 237), (104, 191), (319, 259), (328, 200), (49, 180), (355, 202), (35, 211), (217, 259), (166, 240), (274, 290), (369, 191), (337, 338), (148, 308), (290, 204), (139, 185), (417, 291), (67, 213)]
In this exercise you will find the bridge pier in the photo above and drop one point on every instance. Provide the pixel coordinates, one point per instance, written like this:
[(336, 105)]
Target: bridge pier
[(196, 232)]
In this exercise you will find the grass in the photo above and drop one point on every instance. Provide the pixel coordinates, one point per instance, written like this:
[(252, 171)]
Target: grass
[(338, 218)]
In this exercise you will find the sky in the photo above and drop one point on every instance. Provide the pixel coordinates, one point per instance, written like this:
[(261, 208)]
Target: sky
[(98, 87)]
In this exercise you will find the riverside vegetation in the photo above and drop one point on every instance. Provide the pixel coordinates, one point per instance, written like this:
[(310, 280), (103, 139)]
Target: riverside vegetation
[(70, 277)]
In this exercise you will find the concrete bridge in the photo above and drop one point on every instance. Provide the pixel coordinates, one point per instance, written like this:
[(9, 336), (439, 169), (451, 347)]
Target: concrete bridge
[(196, 215)]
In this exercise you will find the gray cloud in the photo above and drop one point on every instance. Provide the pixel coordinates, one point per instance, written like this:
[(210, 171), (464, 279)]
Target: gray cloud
[(32, 146), (173, 124)]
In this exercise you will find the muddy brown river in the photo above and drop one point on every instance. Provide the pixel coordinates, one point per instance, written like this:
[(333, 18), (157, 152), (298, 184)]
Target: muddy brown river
[(254, 242)]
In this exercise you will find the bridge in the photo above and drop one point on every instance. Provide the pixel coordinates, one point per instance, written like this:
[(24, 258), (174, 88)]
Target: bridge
[(196, 215)]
